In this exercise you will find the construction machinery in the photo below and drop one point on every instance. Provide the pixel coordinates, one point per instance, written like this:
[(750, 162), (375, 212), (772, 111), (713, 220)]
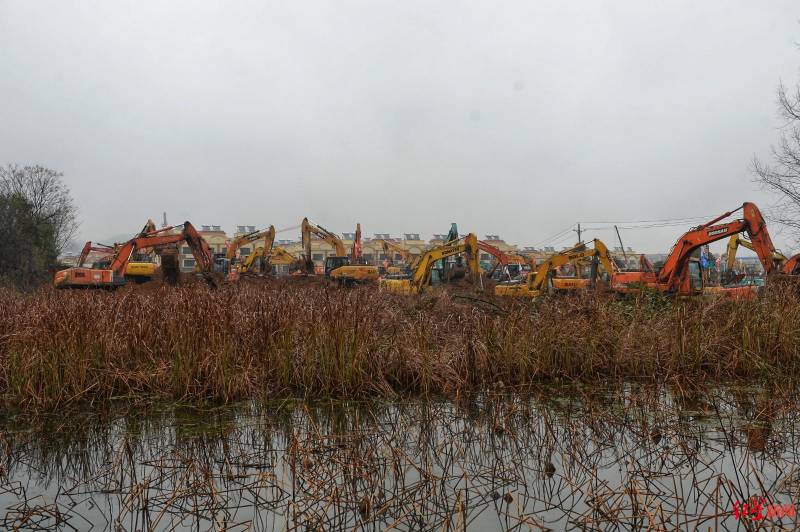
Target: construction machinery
[(680, 274), (390, 249), (733, 246), (510, 264), (544, 279), (420, 276), (115, 275), (236, 266), (103, 249), (141, 269), (791, 266), (341, 267)]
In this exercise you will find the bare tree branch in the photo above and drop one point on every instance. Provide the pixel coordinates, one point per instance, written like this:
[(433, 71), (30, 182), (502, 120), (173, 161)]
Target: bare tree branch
[(783, 176), (48, 196)]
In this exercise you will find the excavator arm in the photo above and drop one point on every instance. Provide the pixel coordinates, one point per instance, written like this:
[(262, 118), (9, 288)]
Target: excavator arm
[(89, 248), (733, 246), (307, 229), (389, 248), (268, 235), (791, 266), (200, 249), (421, 275), (536, 283), (502, 259), (356, 250)]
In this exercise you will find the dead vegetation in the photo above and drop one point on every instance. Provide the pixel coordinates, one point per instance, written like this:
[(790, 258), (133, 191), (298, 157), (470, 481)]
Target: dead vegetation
[(629, 458), (277, 338)]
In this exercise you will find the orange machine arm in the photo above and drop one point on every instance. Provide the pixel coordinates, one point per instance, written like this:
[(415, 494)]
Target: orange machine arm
[(200, 249), (675, 269), (88, 248), (355, 250), (792, 266), (504, 259)]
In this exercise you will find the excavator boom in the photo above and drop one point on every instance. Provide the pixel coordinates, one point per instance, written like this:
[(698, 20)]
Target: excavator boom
[(421, 275), (200, 249), (268, 235), (307, 229), (733, 246), (536, 283), (674, 275)]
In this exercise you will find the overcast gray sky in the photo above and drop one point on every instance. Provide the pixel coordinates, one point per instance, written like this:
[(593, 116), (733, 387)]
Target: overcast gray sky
[(518, 118)]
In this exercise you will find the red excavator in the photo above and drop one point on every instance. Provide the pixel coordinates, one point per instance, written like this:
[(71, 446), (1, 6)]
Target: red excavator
[(677, 275), (791, 266), (88, 248), (510, 265), (114, 276)]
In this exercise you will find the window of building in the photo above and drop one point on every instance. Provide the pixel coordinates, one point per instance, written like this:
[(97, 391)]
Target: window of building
[(369, 257), (316, 256), (188, 263), (186, 250), (485, 256), (382, 256), (397, 256), (244, 252)]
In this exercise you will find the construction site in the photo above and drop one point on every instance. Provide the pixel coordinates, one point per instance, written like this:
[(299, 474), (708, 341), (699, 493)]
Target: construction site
[(399, 266), (410, 267)]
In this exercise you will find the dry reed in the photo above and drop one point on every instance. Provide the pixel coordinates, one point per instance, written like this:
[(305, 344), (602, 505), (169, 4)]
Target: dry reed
[(280, 338)]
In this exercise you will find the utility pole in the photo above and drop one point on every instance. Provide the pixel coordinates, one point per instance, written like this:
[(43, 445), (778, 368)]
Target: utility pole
[(578, 230), (621, 245)]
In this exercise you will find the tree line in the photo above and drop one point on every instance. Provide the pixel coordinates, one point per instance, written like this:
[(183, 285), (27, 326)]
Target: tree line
[(38, 219)]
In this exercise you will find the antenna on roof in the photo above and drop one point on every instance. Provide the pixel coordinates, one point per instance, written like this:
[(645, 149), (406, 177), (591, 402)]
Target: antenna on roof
[(164, 220)]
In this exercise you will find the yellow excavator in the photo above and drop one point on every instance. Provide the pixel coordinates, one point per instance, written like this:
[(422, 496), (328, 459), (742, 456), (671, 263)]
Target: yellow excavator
[(420, 276), (267, 235), (389, 250), (543, 279), (342, 268)]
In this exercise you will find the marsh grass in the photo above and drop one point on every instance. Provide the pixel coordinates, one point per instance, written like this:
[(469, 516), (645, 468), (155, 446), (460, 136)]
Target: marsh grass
[(281, 338)]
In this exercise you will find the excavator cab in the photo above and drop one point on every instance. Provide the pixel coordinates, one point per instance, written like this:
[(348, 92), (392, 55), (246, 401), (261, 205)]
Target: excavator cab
[(332, 263)]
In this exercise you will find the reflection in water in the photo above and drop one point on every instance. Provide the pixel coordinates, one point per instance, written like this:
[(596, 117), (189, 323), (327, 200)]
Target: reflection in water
[(634, 458)]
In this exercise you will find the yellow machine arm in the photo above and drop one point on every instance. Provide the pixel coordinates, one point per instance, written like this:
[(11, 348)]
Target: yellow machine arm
[(307, 229), (268, 235), (421, 274), (274, 255), (733, 246), (575, 254), (389, 247), (281, 256), (537, 282)]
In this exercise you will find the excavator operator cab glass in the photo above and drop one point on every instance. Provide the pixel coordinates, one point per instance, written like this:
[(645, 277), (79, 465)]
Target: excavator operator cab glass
[(695, 276), (331, 263)]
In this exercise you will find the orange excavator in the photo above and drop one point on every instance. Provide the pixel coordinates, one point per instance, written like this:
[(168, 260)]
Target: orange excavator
[(114, 276), (677, 276), (510, 264), (83, 275), (791, 266), (103, 249)]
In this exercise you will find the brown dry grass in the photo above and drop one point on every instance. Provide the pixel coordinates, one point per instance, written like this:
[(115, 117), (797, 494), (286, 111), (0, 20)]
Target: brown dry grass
[(278, 338)]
